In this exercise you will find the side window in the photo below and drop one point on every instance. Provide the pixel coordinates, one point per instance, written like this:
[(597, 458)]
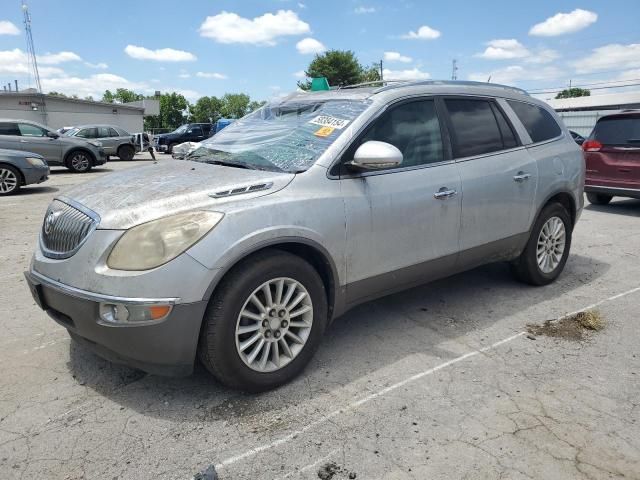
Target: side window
[(411, 127), (103, 132), (537, 121), (113, 132), (475, 128), (9, 129), (28, 130), (87, 133), (196, 130), (508, 137)]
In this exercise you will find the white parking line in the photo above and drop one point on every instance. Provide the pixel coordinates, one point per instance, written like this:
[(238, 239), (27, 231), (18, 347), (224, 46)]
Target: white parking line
[(308, 467), (351, 406)]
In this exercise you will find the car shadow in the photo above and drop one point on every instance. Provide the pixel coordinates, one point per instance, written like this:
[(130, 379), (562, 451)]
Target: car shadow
[(630, 207), (62, 170), (369, 338), (32, 190)]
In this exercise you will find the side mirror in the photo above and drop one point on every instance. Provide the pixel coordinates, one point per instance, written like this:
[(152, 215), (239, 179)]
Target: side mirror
[(52, 135), (374, 155)]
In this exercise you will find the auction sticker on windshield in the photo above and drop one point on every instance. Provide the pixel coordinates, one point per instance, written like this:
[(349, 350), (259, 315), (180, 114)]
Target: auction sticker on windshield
[(329, 121), (324, 132)]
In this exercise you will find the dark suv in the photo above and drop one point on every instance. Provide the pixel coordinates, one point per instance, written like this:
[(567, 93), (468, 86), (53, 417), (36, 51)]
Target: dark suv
[(612, 157), (190, 132)]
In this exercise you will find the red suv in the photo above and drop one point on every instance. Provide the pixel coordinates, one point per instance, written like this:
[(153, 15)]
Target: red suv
[(612, 156)]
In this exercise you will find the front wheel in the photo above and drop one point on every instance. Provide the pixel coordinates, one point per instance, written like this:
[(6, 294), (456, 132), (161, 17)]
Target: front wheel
[(264, 323), (9, 180), (126, 153), (79, 162), (547, 250), (598, 198)]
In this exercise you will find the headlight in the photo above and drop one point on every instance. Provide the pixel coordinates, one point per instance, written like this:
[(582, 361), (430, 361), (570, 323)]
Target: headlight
[(95, 143), (36, 162), (155, 243)]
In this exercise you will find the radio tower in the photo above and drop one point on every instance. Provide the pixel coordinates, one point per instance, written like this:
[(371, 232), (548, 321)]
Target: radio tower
[(31, 51), (454, 69)]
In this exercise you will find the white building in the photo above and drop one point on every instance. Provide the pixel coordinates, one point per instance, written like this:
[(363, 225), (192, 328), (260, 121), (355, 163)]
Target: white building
[(581, 113), (56, 112)]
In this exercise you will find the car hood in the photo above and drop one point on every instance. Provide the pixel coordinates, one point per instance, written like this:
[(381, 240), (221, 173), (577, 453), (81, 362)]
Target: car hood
[(131, 197)]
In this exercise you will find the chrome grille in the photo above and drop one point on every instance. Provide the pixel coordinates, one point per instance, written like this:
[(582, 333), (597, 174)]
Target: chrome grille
[(65, 227)]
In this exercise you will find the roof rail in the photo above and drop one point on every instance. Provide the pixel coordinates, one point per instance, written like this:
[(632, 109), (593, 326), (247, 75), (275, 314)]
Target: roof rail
[(410, 83), (367, 84)]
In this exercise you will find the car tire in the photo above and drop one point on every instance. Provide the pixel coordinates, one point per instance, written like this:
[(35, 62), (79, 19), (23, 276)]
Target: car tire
[(10, 180), (221, 342), (547, 250), (170, 148), (599, 198), (126, 153), (79, 161)]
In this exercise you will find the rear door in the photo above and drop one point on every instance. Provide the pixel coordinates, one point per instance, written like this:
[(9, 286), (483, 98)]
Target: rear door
[(10, 136), (35, 139), (617, 163), (195, 133), (499, 178), (109, 141)]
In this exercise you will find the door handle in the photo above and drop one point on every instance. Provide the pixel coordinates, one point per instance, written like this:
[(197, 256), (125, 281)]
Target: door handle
[(23, 141), (624, 170), (444, 193), (521, 177)]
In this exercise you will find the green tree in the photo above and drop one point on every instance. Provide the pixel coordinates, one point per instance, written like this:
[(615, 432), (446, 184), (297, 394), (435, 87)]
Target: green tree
[(573, 92), (57, 94), (207, 109), (121, 95), (172, 110), (235, 105), (341, 68)]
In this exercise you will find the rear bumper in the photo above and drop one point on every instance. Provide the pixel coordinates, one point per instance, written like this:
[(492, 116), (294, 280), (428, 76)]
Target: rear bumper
[(613, 191), (167, 347)]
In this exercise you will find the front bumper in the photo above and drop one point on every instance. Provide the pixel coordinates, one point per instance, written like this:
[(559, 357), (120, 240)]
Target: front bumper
[(35, 175), (101, 158), (165, 347)]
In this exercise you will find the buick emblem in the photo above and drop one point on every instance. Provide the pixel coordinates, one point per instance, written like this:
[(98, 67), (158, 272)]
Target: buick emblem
[(49, 221)]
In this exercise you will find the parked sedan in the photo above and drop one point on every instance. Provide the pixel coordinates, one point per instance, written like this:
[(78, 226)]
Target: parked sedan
[(115, 140), (19, 168), (76, 154)]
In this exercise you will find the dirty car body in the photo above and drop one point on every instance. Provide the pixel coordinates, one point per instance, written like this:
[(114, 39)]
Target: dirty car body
[(300, 211)]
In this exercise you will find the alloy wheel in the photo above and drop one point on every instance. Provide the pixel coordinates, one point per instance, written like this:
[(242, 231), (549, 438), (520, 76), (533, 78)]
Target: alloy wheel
[(551, 244), (79, 162), (274, 324), (8, 181)]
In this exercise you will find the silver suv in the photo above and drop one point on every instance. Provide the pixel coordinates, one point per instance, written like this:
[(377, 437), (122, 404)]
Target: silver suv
[(115, 141), (244, 252), (77, 154)]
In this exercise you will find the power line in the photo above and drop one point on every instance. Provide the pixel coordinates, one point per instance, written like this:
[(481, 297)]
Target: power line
[(559, 89)]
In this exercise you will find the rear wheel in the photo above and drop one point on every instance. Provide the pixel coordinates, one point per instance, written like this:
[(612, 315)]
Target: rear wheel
[(79, 162), (547, 250), (264, 323), (126, 152), (9, 180), (599, 198), (170, 147)]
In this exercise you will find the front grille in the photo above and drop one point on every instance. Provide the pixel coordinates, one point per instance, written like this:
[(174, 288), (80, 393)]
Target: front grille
[(65, 228)]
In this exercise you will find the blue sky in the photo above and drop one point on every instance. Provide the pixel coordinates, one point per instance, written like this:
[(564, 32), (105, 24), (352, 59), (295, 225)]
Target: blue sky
[(260, 47)]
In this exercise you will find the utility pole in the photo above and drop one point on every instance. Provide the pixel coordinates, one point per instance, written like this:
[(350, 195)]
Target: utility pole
[(454, 69), (31, 52), (381, 74)]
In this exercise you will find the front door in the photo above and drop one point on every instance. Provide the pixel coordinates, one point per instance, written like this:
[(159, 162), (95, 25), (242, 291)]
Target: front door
[(10, 136), (402, 224), (499, 177), (34, 139)]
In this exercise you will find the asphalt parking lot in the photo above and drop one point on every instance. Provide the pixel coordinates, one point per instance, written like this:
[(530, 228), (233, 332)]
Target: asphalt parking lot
[(439, 382)]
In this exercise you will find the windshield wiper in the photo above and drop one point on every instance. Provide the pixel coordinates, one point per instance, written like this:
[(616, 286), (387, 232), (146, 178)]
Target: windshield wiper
[(227, 163)]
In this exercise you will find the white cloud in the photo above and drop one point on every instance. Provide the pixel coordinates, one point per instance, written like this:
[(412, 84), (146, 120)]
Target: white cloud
[(217, 76), (562, 23), (94, 85), (300, 74), (97, 66), (503, 49), (185, 75), (229, 27), (361, 10), (16, 62), (301, 5), (546, 55), (56, 58), (310, 45), (412, 74), (159, 55), (610, 57), (514, 73), (396, 57), (423, 33), (8, 28)]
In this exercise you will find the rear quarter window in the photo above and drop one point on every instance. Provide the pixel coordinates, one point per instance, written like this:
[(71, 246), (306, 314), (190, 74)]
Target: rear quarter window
[(9, 129), (539, 123), (618, 130)]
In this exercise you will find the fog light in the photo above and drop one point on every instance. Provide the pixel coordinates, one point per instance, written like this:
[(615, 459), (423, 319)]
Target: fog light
[(121, 314)]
